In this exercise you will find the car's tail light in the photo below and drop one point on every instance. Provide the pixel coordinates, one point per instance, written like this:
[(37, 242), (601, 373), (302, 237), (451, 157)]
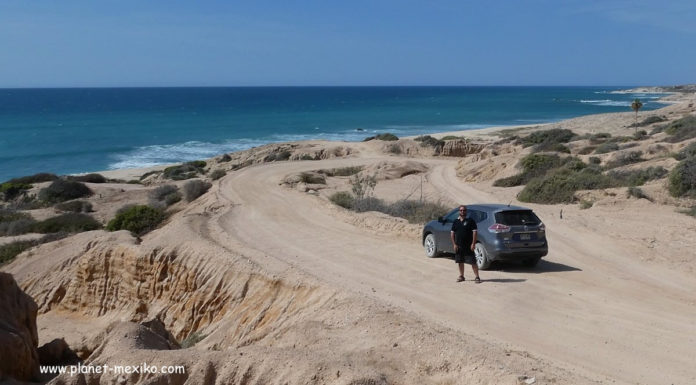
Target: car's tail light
[(542, 227), (498, 228)]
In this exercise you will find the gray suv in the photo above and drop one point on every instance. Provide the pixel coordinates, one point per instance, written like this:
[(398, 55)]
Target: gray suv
[(505, 233)]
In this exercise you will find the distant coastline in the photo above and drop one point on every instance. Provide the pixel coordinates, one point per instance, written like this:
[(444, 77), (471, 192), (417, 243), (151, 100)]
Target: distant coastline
[(67, 131)]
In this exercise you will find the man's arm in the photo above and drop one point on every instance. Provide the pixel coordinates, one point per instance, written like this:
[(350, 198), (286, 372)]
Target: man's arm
[(453, 243), (473, 240)]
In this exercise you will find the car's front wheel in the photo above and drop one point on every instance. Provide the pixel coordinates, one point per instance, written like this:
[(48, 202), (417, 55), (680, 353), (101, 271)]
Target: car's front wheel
[(482, 260), (430, 246)]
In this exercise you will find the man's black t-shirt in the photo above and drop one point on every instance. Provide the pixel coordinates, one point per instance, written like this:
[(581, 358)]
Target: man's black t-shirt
[(463, 232)]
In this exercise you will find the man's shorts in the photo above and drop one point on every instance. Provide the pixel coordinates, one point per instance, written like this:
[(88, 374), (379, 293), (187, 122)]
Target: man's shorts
[(464, 255)]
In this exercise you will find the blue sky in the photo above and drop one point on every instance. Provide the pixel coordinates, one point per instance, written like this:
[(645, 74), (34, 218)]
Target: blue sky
[(359, 42)]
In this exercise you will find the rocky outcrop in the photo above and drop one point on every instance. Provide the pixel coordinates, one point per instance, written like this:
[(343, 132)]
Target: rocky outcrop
[(19, 357), (57, 352), (394, 170), (460, 148)]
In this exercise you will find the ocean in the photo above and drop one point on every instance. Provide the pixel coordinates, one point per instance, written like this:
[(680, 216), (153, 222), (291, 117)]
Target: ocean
[(78, 130)]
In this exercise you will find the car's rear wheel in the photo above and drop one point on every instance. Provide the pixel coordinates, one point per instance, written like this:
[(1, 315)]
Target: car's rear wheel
[(482, 260), (430, 246), (531, 262)]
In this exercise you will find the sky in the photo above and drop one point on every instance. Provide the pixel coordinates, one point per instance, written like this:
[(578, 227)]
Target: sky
[(139, 43)]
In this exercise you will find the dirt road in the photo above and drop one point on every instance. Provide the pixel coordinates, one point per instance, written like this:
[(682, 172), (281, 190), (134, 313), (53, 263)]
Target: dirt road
[(588, 306)]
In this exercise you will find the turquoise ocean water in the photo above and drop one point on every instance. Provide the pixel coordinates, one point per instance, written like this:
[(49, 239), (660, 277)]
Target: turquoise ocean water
[(82, 130)]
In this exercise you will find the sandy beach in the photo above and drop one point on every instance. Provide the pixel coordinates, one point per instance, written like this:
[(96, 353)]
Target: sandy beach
[(281, 286)]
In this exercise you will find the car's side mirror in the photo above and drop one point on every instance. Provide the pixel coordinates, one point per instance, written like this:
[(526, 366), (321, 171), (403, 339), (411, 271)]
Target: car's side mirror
[(441, 219)]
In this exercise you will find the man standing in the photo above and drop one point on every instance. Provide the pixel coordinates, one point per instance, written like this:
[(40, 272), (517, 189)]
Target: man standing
[(463, 236)]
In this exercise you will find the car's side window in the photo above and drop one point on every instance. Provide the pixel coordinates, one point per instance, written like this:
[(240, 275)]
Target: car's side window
[(452, 216), (477, 215)]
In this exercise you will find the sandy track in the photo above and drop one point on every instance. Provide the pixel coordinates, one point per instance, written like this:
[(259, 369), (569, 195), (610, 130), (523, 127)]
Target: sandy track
[(588, 307)]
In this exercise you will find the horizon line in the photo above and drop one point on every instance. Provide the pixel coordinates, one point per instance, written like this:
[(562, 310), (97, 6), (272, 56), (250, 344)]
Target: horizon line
[(332, 86)]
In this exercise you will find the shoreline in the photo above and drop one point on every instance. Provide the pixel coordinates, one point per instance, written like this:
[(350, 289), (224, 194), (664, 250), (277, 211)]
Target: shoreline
[(671, 99), (135, 153)]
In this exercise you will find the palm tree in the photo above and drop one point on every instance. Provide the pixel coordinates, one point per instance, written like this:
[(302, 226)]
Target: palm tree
[(636, 105)]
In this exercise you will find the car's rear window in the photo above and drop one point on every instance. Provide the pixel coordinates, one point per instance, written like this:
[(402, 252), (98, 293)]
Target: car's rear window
[(517, 218)]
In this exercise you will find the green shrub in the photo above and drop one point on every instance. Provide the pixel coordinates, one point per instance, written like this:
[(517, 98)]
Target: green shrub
[(343, 199), (657, 129), (416, 211), (636, 177), (584, 205), (533, 165), (682, 179), (587, 150), (640, 135), (192, 340), (149, 173), (429, 141), (599, 138), (26, 202), (217, 174), (195, 188), (167, 195), (649, 120), (538, 164), (625, 158), (67, 223), (691, 211), (312, 178), (9, 251), (394, 149), (363, 185), (369, 203), (606, 148), (682, 129), (636, 192), (15, 223), (628, 145), (559, 186), (343, 171), (10, 190), (138, 219), (621, 139), (307, 157), (547, 140), (75, 206), (595, 160), (560, 148), (12, 215), (278, 156), (36, 178), (515, 180), (88, 178), (16, 186), (386, 136), (63, 190), (184, 171), (224, 158), (686, 152), (172, 198)]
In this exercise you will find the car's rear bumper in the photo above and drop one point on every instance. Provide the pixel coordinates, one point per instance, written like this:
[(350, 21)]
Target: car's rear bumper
[(517, 254)]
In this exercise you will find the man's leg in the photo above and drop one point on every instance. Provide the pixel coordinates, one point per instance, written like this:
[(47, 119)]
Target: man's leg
[(461, 269), (474, 267)]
